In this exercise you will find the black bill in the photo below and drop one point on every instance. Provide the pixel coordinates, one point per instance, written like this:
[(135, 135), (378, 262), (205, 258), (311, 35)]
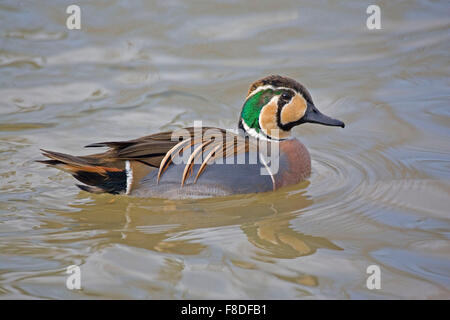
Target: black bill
[(313, 115)]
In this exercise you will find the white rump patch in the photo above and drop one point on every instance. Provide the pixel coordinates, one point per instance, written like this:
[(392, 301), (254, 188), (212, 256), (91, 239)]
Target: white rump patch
[(129, 173)]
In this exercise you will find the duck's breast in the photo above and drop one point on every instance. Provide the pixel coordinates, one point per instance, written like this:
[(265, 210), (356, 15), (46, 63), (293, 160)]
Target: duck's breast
[(295, 163)]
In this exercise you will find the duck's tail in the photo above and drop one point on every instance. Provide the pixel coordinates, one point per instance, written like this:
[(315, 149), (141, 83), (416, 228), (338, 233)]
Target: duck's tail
[(97, 177)]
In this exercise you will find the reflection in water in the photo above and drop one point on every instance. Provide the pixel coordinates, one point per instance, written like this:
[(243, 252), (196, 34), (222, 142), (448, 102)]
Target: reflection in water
[(186, 228), (155, 224), (276, 237)]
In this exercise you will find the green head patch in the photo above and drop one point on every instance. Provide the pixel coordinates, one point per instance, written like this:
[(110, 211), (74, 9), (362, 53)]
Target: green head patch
[(253, 105)]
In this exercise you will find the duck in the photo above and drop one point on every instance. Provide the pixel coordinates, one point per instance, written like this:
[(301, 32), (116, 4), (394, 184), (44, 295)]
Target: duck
[(202, 162)]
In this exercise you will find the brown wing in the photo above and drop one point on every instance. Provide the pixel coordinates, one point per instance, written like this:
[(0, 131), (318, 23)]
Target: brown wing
[(106, 172), (149, 150)]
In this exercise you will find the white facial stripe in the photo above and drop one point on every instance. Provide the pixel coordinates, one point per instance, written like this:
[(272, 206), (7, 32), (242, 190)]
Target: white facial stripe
[(258, 135), (262, 88), (252, 132)]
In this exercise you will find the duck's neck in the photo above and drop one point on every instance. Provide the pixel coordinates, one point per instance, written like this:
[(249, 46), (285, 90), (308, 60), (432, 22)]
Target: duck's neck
[(258, 134)]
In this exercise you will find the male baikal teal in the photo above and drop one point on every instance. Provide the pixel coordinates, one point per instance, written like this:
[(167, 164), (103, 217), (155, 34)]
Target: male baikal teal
[(146, 166)]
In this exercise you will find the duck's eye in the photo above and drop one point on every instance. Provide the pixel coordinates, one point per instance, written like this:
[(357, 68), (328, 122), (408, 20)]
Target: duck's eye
[(285, 96)]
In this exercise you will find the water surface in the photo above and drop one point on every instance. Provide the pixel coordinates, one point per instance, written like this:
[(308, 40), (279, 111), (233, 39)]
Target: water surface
[(378, 194)]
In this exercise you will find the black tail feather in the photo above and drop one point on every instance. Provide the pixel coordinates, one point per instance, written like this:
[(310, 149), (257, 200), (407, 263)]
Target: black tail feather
[(111, 182), (96, 177), (49, 162)]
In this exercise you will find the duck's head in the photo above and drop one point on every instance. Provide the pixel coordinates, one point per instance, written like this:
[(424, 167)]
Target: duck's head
[(276, 104)]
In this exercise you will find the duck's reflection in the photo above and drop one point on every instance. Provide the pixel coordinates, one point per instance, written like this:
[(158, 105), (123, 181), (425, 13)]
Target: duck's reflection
[(279, 240), (184, 227)]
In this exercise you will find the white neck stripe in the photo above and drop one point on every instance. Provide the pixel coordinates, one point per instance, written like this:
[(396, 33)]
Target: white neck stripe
[(258, 135)]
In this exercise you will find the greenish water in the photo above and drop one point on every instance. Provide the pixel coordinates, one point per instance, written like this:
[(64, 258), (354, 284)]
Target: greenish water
[(378, 194)]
